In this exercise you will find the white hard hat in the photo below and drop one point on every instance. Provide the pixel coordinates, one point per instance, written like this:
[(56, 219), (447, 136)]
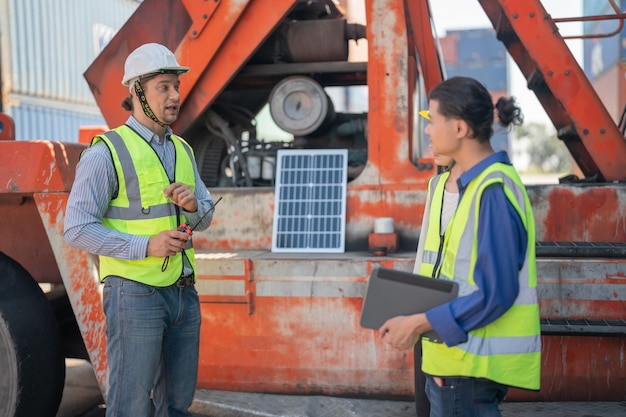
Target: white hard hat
[(151, 58)]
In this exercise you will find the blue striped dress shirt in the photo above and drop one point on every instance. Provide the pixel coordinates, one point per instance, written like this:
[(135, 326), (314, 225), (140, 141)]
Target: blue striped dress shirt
[(96, 184)]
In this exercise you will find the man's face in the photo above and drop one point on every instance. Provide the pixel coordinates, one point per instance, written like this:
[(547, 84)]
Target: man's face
[(163, 96)]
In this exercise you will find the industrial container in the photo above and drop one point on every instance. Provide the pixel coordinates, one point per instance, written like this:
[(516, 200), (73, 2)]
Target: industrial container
[(480, 45), (604, 55), (478, 54), (45, 47)]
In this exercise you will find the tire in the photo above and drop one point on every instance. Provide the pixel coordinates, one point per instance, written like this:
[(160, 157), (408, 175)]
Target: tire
[(31, 354)]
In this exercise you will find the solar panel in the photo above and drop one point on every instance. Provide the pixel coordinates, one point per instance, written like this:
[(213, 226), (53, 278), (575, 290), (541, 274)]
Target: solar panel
[(310, 200)]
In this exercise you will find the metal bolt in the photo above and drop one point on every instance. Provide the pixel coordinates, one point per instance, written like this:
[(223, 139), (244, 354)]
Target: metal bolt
[(602, 131), (586, 131), (566, 72), (550, 73)]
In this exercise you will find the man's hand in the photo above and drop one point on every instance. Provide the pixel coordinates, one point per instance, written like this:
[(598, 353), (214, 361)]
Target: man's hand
[(402, 332), (167, 243), (182, 195)]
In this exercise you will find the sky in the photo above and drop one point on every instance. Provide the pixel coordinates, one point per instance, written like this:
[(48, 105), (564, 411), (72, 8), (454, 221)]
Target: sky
[(468, 14)]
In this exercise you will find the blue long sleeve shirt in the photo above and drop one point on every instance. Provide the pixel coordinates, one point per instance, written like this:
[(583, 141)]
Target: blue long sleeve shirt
[(94, 187), (502, 242)]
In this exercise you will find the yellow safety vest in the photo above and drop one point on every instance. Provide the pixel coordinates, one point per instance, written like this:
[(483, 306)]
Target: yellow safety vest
[(140, 208), (508, 350), (433, 240)]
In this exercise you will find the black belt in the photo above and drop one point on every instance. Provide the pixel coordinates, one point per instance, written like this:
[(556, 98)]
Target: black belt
[(186, 281)]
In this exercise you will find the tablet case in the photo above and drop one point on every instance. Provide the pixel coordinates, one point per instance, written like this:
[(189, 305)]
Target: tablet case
[(393, 293)]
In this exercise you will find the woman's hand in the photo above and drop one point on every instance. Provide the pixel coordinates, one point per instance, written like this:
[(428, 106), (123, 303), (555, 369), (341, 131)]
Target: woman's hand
[(402, 332)]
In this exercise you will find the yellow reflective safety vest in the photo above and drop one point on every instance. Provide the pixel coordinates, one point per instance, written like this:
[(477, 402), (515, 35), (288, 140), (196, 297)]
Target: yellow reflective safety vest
[(433, 240), (508, 350), (140, 207)]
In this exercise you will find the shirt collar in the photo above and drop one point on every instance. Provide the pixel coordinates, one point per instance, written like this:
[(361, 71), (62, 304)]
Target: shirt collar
[(474, 171), (147, 134)]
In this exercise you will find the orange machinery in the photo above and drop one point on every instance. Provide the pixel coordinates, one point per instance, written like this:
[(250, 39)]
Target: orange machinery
[(288, 323)]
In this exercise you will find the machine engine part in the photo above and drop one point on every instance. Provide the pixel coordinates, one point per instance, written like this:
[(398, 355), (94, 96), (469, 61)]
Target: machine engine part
[(315, 40), (300, 106)]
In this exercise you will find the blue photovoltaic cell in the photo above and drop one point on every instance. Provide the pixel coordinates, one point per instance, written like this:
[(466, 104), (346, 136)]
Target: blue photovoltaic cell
[(310, 201)]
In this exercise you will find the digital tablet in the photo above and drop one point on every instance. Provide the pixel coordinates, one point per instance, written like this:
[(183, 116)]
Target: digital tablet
[(393, 293)]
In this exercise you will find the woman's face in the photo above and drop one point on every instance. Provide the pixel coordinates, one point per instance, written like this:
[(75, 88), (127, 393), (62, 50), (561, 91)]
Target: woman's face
[(443, 133)]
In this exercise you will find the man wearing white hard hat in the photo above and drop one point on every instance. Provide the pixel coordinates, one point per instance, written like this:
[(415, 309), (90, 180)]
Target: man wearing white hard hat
[(135, 185)]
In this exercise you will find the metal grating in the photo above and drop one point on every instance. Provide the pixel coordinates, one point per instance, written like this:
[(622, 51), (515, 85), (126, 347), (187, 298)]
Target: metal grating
[(310, 200), (581, 249), (583, 326)]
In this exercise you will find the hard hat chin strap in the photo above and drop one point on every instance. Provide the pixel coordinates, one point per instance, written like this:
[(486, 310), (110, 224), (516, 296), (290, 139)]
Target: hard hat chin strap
[(144, 104)]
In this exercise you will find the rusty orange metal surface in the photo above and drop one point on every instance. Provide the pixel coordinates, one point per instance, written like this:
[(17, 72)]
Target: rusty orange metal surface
[(579, 368), (289, 323), (561, 86), (588, 288), (27, 168), (566, 212), (230, 33), (236, 31), (421, 40), (50, 166), (285, 324), (244, 218), (36, 177), (7, 127), (302, 335), (579, 212), (87, 133), (80, 278)]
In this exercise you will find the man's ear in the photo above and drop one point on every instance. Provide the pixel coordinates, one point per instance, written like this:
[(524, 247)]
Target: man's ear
[(462, 129)]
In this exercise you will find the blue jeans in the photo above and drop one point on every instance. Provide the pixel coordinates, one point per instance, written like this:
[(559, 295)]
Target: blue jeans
[(465, 397), (153, 335)]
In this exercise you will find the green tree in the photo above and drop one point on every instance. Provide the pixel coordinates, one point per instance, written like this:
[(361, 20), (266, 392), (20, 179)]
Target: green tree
[(544, 151)]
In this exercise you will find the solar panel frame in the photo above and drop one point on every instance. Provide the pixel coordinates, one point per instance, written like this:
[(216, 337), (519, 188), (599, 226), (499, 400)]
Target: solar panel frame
[(310, 201)]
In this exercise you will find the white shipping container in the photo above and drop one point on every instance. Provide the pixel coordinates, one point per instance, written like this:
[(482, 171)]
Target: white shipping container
[(45, 47)]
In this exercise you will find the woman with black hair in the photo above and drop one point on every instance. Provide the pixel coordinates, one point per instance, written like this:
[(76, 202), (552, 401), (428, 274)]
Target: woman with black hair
[(490, 332)]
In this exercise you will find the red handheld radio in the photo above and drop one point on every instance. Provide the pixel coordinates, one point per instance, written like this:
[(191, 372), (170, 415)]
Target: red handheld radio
[(189, 229)]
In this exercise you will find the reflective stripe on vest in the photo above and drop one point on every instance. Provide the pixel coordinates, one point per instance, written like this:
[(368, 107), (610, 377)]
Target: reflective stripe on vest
[(432, 241), (140, 207), (507, 350)]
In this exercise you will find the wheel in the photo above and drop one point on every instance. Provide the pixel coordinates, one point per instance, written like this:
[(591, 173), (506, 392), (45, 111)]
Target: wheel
[(31, 354)]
